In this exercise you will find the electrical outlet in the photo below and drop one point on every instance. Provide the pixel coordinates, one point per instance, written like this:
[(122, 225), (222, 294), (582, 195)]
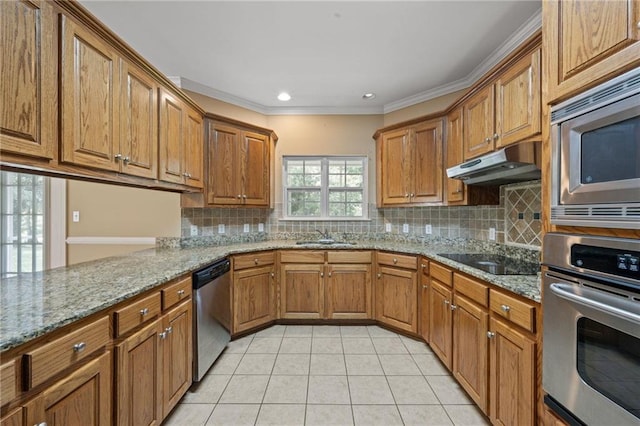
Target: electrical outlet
[(405, 228), (492, 234), (76, 216), (387, 227), (428, 230), (194, 230), (221, 228), (261, 227), (246, 227)]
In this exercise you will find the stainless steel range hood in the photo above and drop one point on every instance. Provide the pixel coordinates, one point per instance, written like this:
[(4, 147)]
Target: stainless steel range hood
[(514, 163)]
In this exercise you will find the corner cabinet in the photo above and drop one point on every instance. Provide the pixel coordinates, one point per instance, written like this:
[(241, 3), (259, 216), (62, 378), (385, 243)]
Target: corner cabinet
[(587, 42), (29, 93), (181, 142), (409, 165)]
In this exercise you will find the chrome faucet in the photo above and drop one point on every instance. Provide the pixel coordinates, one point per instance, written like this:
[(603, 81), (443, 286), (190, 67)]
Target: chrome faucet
[(325, 235)]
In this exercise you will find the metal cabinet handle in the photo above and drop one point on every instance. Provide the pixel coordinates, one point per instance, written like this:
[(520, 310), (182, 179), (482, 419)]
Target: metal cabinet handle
[(496, 136), (412, 195), (406, 195), (505, 308), (491, 334), (395, 260), (144, 311), (329, 273), (79, 347), (453, 307), (256, 261), (162, 335), (446, 302), (169, 330), (41, 424), (244, 196), (379, 275), (185, 174), (126, 160), (273, 275), (239, 196), (117, 157), (425, 286), (487, 140), (180, 293)]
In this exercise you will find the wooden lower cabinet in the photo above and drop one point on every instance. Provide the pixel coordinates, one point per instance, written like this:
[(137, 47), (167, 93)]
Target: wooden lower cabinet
[(82, 398), (441, 323), (470, 349), (424, 298), (13, 418), (177, 355), (138, 377), (512, 375), (254, 302), (397, 298), (348, 292), (302, 291)]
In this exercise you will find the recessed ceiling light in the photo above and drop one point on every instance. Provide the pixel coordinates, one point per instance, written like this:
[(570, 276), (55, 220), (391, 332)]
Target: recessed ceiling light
[(284, 97), (368, 96)]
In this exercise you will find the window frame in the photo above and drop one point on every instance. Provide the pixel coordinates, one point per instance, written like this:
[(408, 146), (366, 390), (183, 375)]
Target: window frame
[(324, 187)]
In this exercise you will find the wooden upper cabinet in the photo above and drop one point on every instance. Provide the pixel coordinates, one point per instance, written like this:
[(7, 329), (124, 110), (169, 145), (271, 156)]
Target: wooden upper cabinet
[(239, 165), (427, 165), (587, 42), (138, 122), (172, 120), (479, 123), (394, 167), (518, 104), (455, 189), (28, 86), (181, 142), (410, 164), (193, 149), (90, 94)]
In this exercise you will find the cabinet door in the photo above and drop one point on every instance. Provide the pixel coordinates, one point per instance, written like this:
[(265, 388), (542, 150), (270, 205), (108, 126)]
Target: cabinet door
[(82, 398), (138, 377), (394, 167), (90, 99), (349, 292), (478, 123), (254, 301), (171, 138), (177, 352), (512, 376), (427, 163), (193, 149), (440, 322), (425, 297), (455, 189), (587, 41), (397, 298), (255, 169), (302, 291), (138, 122), (29, 86), (224, 186), (470, 349), (518, 106), (13, 418)]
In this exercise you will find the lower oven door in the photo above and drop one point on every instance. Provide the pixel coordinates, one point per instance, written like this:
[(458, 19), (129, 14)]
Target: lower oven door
[(591, 350)]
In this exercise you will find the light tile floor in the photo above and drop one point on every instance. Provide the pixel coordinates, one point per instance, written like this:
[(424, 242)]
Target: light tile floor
[(327, 375)]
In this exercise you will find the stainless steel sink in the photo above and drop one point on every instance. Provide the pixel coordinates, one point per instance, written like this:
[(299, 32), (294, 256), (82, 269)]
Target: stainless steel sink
[(325, 242)]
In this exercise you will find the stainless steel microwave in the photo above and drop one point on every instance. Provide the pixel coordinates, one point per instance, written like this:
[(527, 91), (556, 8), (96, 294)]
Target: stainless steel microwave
[(595, 156)]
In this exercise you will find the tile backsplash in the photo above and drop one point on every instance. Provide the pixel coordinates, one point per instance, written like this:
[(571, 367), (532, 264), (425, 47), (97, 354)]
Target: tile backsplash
[(516, 220)]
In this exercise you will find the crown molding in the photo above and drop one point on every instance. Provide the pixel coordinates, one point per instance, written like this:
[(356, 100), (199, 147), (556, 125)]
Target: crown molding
[(526, 30)]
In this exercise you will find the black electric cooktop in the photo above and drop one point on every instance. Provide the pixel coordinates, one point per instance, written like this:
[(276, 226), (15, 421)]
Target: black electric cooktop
[(494, 263)]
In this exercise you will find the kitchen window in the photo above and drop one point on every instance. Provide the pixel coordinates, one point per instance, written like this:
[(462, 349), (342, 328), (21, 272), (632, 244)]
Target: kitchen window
[(325, 188)]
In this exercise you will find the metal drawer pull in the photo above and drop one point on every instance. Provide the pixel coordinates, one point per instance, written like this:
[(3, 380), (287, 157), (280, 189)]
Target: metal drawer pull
[(180, 293), (256, 261), (169, 330), (162, 335), (379, 275), (453, 307), (79, 347), (395, 260), (505, 308), (496, 136), (144, 311), (41, 424), (329, 273), (491, 334), (321, 274), (425, 286), (273, 275), (446, 302)]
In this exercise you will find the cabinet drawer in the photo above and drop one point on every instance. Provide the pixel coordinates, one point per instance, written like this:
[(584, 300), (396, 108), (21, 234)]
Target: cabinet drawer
[(424, 266), (176, 293), (348, 256), (7, 382), (398, 260), (474, 290), (251, 260), (136, 313), (301, 256), (516, 311), (440, 273), (53, 357)]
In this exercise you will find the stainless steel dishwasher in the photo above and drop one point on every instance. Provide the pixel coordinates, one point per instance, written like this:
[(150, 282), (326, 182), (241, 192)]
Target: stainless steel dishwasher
[(211, 318)]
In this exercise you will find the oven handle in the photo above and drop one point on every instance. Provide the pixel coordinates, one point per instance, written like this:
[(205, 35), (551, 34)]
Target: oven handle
[(592, 299)]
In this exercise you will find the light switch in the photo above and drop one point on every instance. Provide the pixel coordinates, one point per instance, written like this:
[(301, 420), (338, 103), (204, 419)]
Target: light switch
[(492, 234), (76, 216), (387, 227), (428, 230)]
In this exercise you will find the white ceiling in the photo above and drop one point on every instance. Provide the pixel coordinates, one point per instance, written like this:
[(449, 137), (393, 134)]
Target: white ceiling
[(326, 54)]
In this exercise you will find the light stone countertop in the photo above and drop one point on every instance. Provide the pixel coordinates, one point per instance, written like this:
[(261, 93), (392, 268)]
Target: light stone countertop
[(34, 304)]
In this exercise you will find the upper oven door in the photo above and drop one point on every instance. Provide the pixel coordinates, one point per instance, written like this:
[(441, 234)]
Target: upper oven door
[(600, 155)]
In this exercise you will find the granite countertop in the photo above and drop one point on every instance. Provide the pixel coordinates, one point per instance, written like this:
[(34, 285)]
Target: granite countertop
[(34, 304)]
